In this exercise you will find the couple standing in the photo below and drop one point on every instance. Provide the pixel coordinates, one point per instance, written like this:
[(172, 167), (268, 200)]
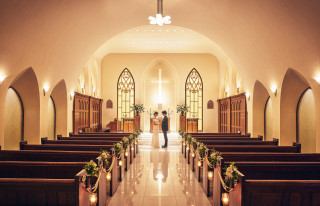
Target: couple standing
[(164, 126)]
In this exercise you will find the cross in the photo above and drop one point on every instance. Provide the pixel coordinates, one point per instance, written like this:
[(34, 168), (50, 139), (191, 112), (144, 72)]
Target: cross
[(160, 86)]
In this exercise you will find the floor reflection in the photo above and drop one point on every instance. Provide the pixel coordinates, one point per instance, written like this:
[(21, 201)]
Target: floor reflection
[(159, 177)]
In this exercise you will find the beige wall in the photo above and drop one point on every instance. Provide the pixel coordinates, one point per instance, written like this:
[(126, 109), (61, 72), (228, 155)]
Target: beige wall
[(13, 121), (179, 64), (306, 122), (51, 120)]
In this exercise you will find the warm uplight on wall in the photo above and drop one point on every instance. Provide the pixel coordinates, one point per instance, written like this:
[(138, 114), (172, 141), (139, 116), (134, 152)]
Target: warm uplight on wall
[(248, 95), (46, 88), (2, 77), (71, 95), (317, 78), (274, 90)]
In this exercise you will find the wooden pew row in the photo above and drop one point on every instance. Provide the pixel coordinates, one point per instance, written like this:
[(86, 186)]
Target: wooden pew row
[(100, 135), (114, 174), (62, 156), (117, 139), (127, 159), (46, 156), (293, 173), (275, 142), (220, 134), (43, 183), (276, 192), (30, 191), (224, 139), (252, 157), (201, 172)]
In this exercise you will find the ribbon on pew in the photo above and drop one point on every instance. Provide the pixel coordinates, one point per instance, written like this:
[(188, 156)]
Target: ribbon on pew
[(225, 187)]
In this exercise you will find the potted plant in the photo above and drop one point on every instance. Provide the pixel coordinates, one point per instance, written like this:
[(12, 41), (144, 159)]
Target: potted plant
[(182, 109), (138, 108)]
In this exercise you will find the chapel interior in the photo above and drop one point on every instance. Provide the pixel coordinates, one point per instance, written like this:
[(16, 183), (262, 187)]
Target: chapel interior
[(239, 80)]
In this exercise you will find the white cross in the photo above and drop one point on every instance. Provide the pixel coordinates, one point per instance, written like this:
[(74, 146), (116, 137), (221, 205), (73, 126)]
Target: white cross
[(160, 87)]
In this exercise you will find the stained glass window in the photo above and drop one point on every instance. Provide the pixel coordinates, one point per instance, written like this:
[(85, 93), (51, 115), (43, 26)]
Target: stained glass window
[(126, 89), (194, 97)]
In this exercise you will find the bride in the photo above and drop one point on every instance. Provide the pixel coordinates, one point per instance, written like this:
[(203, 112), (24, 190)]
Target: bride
[(155, 136)]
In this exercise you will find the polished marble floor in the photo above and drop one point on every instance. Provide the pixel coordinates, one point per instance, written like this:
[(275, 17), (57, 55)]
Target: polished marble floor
[(159, 177)]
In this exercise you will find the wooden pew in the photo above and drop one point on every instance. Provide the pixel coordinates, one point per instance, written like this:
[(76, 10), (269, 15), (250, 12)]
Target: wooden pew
[(276, 192), (220, 134), (127, 159), (265, 173), (253, 157), (225, 139), (117, 174), (29, 191), (201, 172), (46, 156), (35, 183), (100, 135)]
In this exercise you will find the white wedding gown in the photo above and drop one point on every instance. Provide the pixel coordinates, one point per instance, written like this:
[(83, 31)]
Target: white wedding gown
[(155, 136)]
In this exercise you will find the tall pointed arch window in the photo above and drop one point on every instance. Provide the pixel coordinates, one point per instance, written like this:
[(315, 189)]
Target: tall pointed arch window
[(126, 94), (194, 97)]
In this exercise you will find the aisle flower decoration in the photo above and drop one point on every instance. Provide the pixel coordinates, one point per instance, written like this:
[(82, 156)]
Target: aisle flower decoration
[(118, 148), (194, 143), (202, 148), (103, 158), (231, 175), (92, 169), (125, 142), (181, 132), (215, 157), (131, 138)]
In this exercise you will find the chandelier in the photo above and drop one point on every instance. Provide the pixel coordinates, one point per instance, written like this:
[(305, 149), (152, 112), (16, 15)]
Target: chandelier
[(159, 18)]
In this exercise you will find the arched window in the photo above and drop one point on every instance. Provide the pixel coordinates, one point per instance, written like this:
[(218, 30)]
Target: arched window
[(194, 97), (126, 90)]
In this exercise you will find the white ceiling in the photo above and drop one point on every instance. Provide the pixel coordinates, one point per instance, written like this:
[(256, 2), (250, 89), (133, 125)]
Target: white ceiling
[(159, 39)]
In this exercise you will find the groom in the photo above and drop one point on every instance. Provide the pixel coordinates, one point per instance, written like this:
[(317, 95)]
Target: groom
[(165, 128)]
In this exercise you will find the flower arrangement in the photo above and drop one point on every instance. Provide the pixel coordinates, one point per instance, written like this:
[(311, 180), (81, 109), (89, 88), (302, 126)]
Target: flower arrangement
[(104, 157), (92, 169), (194, 143), (138, 108), (131, 138), (118, 148), (182, 109), (125, 142), (215, 157), (202, 148), (231, 175), (181, 132), (189, 138)]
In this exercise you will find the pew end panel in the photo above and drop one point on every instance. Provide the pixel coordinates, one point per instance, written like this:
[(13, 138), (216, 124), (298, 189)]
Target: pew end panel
[(59, 136), (281, 192), (298, 145), (43, 140), (22, 144)]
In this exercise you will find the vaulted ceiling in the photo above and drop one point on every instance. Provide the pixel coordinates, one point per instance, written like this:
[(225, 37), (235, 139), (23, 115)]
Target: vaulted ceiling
[(58, 37)]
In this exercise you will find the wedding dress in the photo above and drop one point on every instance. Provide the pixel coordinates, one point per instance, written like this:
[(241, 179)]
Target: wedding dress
[(155, 136)]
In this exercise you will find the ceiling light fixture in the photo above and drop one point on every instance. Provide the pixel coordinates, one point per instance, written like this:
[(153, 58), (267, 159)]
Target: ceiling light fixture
[(159, 18)]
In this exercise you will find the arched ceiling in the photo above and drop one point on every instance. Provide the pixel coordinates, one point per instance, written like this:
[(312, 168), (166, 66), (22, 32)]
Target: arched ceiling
[(57, 37), (155, 39)]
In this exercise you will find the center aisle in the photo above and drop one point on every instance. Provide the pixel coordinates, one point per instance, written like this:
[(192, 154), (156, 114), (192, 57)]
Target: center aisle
[(159, 177)]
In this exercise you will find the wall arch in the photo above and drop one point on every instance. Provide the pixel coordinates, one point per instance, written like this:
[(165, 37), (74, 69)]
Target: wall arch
[(26, 85), (306, 122), (13, 120), (293, 86), (59, 96), (260, 98), (169, 74)]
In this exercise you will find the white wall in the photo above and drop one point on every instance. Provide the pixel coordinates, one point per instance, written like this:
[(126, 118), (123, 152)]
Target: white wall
[(179, 64)]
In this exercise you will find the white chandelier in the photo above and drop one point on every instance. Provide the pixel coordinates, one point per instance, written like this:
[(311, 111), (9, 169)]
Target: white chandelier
[(159, 18)]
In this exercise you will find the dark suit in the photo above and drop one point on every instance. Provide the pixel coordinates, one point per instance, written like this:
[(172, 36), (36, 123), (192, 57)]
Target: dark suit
[(164, 126)]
